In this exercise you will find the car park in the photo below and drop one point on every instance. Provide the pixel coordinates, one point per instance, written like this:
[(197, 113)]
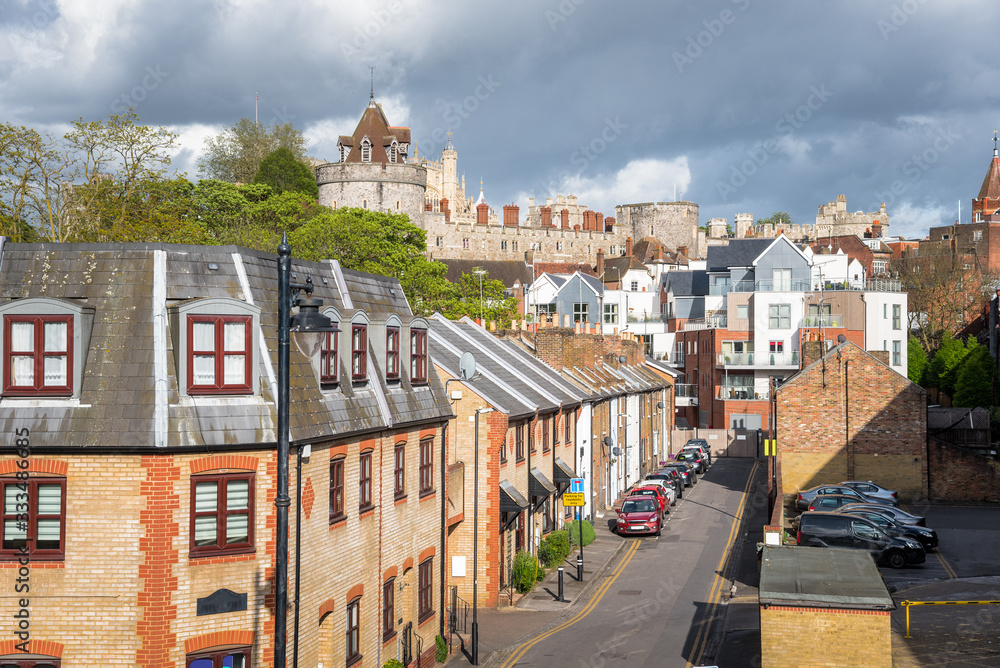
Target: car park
[(671, 476), (853, 532), (668, 489), (653, 491), (900, 516), (873, 490), (694, 458), (805, 497), (702, 444), (926, 537), (830, 502), (639, 515)]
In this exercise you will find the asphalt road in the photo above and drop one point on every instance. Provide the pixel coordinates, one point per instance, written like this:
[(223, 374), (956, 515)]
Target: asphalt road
[(658, 608)]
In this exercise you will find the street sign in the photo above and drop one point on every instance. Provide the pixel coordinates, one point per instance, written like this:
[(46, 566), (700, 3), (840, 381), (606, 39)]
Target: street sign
[(574, 499), (576, 485)]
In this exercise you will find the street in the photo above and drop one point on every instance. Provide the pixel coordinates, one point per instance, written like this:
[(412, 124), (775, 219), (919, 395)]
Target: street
[(658, 603)]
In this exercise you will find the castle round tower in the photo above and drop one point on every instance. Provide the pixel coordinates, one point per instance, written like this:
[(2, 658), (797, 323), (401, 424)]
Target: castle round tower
[(673, 223)]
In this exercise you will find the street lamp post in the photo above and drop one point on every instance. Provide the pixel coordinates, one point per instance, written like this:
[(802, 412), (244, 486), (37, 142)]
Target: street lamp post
[(310, 328), (475, 541), (480, 272)]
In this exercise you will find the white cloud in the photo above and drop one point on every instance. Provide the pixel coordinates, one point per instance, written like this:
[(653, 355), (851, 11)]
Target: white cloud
[(191, 144), (911, 220)]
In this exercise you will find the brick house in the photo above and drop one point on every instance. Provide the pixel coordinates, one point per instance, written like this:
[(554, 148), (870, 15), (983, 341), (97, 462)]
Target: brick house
[(141, 388), (849, 415)]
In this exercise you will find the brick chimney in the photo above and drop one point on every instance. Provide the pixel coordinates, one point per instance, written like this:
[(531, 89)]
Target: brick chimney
[(628, 247), (599, 219), (546, 216), (510, 215), (443, 204), (609, 224), (600, 264), (811, 352), (589, 221), (428, 206), (483, 214), (682, 250), (877, 230), (565, 218)]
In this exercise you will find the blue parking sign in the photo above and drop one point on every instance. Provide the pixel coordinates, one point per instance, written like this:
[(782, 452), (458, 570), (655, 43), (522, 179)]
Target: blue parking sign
[(576, 485)]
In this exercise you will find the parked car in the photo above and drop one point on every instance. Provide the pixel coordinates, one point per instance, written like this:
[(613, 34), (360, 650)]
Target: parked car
[(700, 443), (830, 502), (671, 476), (900, 516), (668, 489), (926, 537), (686, 470), (851, 531), (639, 515), (873, 491), (654, 491), (695, 458), (805, 497)]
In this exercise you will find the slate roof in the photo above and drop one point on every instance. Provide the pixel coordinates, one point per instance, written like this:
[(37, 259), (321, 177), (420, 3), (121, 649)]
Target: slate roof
[(509, 272), (563, 268), (373, 124), (738, 253), (118, 399), (991, 184), (687, 283), (616, 268)]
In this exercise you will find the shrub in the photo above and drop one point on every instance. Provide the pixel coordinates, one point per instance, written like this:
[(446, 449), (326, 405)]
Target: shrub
[(524, 572), (442, 650), (559, 547), (574, 533), (393, 663)]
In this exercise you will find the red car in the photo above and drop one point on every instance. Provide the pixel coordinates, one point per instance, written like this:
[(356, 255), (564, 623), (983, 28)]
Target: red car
[(639, 514), (652, 491)]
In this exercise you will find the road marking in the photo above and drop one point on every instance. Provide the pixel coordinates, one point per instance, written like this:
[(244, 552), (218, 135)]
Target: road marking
[(715, 593), (601, 591), (944, 562)]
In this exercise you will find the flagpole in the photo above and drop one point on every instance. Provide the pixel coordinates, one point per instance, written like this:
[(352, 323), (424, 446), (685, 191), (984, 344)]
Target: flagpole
[(256, 99)]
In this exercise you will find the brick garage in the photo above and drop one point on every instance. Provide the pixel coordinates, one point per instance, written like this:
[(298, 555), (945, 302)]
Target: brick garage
[(851, 416), (823, 607)]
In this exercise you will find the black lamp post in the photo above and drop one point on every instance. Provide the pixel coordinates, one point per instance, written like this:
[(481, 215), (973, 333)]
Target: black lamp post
[(310, 328)]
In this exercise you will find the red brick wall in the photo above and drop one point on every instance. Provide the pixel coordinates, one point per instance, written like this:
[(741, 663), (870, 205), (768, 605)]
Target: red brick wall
[(959, 475)]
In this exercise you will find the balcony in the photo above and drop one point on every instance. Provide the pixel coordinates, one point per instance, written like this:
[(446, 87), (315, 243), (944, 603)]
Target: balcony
[(741, 393), (874, 285), (685, 395), (676, 358), (758, 360), (822, 321), (714, 322), (646, 317)]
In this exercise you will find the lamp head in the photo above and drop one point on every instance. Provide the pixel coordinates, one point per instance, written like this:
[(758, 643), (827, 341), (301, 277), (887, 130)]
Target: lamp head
[(309, 327)]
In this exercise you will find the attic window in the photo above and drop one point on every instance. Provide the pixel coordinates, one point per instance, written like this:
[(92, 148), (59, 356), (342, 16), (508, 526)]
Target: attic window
[(219, 354), (418, 356), (392, 353), (366, 150), (39, 355), (392, 152), (359, 352), (328, 361)]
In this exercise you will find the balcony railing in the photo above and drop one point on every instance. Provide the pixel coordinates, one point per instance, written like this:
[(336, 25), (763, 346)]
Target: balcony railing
[(822, 321), (685, 390), (741, 394), (714, 322), (874, 285), (676, 358), (646, 317), (755, 359), (720, 289), (736, 359)]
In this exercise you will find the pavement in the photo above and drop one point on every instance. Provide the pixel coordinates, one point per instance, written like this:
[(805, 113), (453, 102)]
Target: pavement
[(502, 630)]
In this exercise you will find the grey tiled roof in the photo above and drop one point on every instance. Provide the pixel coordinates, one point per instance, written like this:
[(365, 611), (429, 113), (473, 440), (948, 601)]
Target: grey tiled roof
[(738, 253), (687, 283), (508, 272), (118, 396)]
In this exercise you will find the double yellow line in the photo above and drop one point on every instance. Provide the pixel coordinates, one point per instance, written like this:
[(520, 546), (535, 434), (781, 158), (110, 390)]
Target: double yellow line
[(715, 595), (601, 591), (949, 571)]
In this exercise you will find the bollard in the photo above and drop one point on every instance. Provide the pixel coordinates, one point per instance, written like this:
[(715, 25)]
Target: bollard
[(579, 568), (561, 598)]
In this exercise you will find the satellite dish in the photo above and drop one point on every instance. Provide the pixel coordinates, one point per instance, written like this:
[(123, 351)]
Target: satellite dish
[(467, 366), (622, 359), (608, 442), (841, 338), (616, 451)]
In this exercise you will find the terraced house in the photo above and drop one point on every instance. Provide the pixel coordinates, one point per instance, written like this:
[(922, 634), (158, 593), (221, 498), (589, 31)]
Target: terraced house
[(139, 468)]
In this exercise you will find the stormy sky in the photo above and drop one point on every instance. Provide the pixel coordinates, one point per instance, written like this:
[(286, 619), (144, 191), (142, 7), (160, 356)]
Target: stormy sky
[(738, 105)]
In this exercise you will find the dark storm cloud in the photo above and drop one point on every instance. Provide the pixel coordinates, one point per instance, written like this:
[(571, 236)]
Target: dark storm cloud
[(749, 105)]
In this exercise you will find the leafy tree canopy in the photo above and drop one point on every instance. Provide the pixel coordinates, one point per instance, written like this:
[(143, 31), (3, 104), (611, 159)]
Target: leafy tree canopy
[(283, 172), (916, 361), (236, 153), (975, 378), (465, 299), (776, 218)]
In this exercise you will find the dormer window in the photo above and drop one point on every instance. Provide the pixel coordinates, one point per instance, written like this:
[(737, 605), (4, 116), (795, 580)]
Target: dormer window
[(328, 359), (366, 150), (39, 355), (359, 352), (392, 353), (418, 356), (219, 354)]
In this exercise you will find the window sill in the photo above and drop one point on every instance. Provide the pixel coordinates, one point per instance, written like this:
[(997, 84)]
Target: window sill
[(339, 520), (31, 558), (388, 636), (355, 659), (221, 553), (428, 494), (425, 617), (366, 511), (400, 499)]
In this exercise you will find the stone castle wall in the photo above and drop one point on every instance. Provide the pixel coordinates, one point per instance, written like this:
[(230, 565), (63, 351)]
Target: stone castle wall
[(375, 186), (673, 223)]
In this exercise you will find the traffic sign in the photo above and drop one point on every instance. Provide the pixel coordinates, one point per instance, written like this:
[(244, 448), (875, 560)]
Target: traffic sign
[(576, 485), (574, 499)]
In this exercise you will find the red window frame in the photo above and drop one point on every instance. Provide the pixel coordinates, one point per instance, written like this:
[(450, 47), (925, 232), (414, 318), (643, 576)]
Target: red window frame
[(328, 360), (392, 353), (519, 442), (503, 451), (218, 658), (426, 466), (26, 510), (359, 352), (365, 481), (221, 513), (418, 356), (399, 471), (519, 533), (39, 354), (389, 609), (353, 634), (337, 490), (425, 594), (220, 353), (777, 346)]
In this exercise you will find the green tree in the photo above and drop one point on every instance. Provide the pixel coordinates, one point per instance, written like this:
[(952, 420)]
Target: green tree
[(283, 172), (975, 378), (916, 361), (464, 300), (32, 169), (942, 368), (777, 218), (235, 154)]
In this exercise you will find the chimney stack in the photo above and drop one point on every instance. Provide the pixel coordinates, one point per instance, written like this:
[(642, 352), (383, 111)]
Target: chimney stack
[(511, 215), (483, 214), (443, 204), (628, 247), (565, 218), (877, 230), (600, 264), (609, 224), (683, 250), (599, 219), (546, 216)]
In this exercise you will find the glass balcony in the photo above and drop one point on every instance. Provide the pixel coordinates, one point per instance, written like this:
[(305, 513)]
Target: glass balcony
[(714, 322), (741, 393), (736, 359), (758, 360), (826, 320), (685, 395)]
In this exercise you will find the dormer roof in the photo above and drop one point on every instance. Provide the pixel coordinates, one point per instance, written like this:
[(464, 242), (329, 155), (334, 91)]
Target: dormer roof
[(375, 126)]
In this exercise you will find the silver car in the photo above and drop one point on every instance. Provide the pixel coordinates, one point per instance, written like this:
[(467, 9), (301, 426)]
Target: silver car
[(873, 491), (805, 497)]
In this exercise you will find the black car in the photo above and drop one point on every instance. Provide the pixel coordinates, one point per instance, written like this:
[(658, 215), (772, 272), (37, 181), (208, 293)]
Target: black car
[(853, 532), (926, 537), (672, 477), (685, 470)]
